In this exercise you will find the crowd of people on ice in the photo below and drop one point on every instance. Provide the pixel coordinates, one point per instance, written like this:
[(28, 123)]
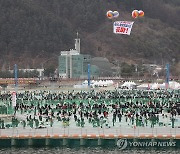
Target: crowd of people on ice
[(104, 109)]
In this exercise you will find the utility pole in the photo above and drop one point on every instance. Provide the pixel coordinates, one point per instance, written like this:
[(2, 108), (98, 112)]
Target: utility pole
[(89, 75), (167, 76), (15, 77)]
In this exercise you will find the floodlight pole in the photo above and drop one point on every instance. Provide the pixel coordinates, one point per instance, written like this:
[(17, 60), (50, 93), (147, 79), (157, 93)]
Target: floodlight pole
[(167, 76), (15, 77), (89, 74)]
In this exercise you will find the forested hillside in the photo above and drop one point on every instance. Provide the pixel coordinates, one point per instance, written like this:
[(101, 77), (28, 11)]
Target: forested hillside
[(33, 32)]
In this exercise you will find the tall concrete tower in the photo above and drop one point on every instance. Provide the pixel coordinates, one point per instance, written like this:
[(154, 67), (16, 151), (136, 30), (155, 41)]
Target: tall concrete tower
[(77, 44)]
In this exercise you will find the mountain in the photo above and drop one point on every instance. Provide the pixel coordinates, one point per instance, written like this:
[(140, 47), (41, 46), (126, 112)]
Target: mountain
[(33, 32)]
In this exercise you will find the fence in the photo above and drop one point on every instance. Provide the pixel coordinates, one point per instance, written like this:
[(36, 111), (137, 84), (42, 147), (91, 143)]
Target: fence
[(121, 131)]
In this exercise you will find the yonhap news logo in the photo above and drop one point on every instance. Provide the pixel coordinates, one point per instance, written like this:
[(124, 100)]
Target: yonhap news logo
[(124, 143)]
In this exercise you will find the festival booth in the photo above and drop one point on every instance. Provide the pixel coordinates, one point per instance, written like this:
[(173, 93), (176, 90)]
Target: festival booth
[(102, 83), (128, 85), (162, 86), (155, 86), (174, 85), (144, 86), (82, 85), (93, 84)]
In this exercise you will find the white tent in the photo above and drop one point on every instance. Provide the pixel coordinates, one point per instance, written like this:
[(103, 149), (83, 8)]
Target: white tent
[(155, 86), (81, 86), (143, 86), (162, 86), (100, 83), (129, 84), (85, 82), (109, 82), (94, 83), (174, 85)]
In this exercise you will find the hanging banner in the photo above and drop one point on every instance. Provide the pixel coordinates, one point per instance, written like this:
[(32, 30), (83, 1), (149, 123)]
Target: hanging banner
[(14, 98), (122, 27)]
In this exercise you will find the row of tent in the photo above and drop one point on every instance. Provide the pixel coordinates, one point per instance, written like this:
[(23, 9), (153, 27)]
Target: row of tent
[(145, 86), (94, 83), (129, 85)]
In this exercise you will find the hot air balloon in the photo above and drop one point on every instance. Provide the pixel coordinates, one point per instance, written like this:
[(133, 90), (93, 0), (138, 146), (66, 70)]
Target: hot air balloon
[(109, 14), (135, 13), (141, 13), (115, 14)]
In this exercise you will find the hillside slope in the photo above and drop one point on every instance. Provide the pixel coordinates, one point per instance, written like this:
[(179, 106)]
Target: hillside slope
[(33, 32)]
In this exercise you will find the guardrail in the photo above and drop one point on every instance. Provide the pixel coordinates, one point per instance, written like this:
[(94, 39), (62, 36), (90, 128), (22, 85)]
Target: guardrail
[(93, 132)]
